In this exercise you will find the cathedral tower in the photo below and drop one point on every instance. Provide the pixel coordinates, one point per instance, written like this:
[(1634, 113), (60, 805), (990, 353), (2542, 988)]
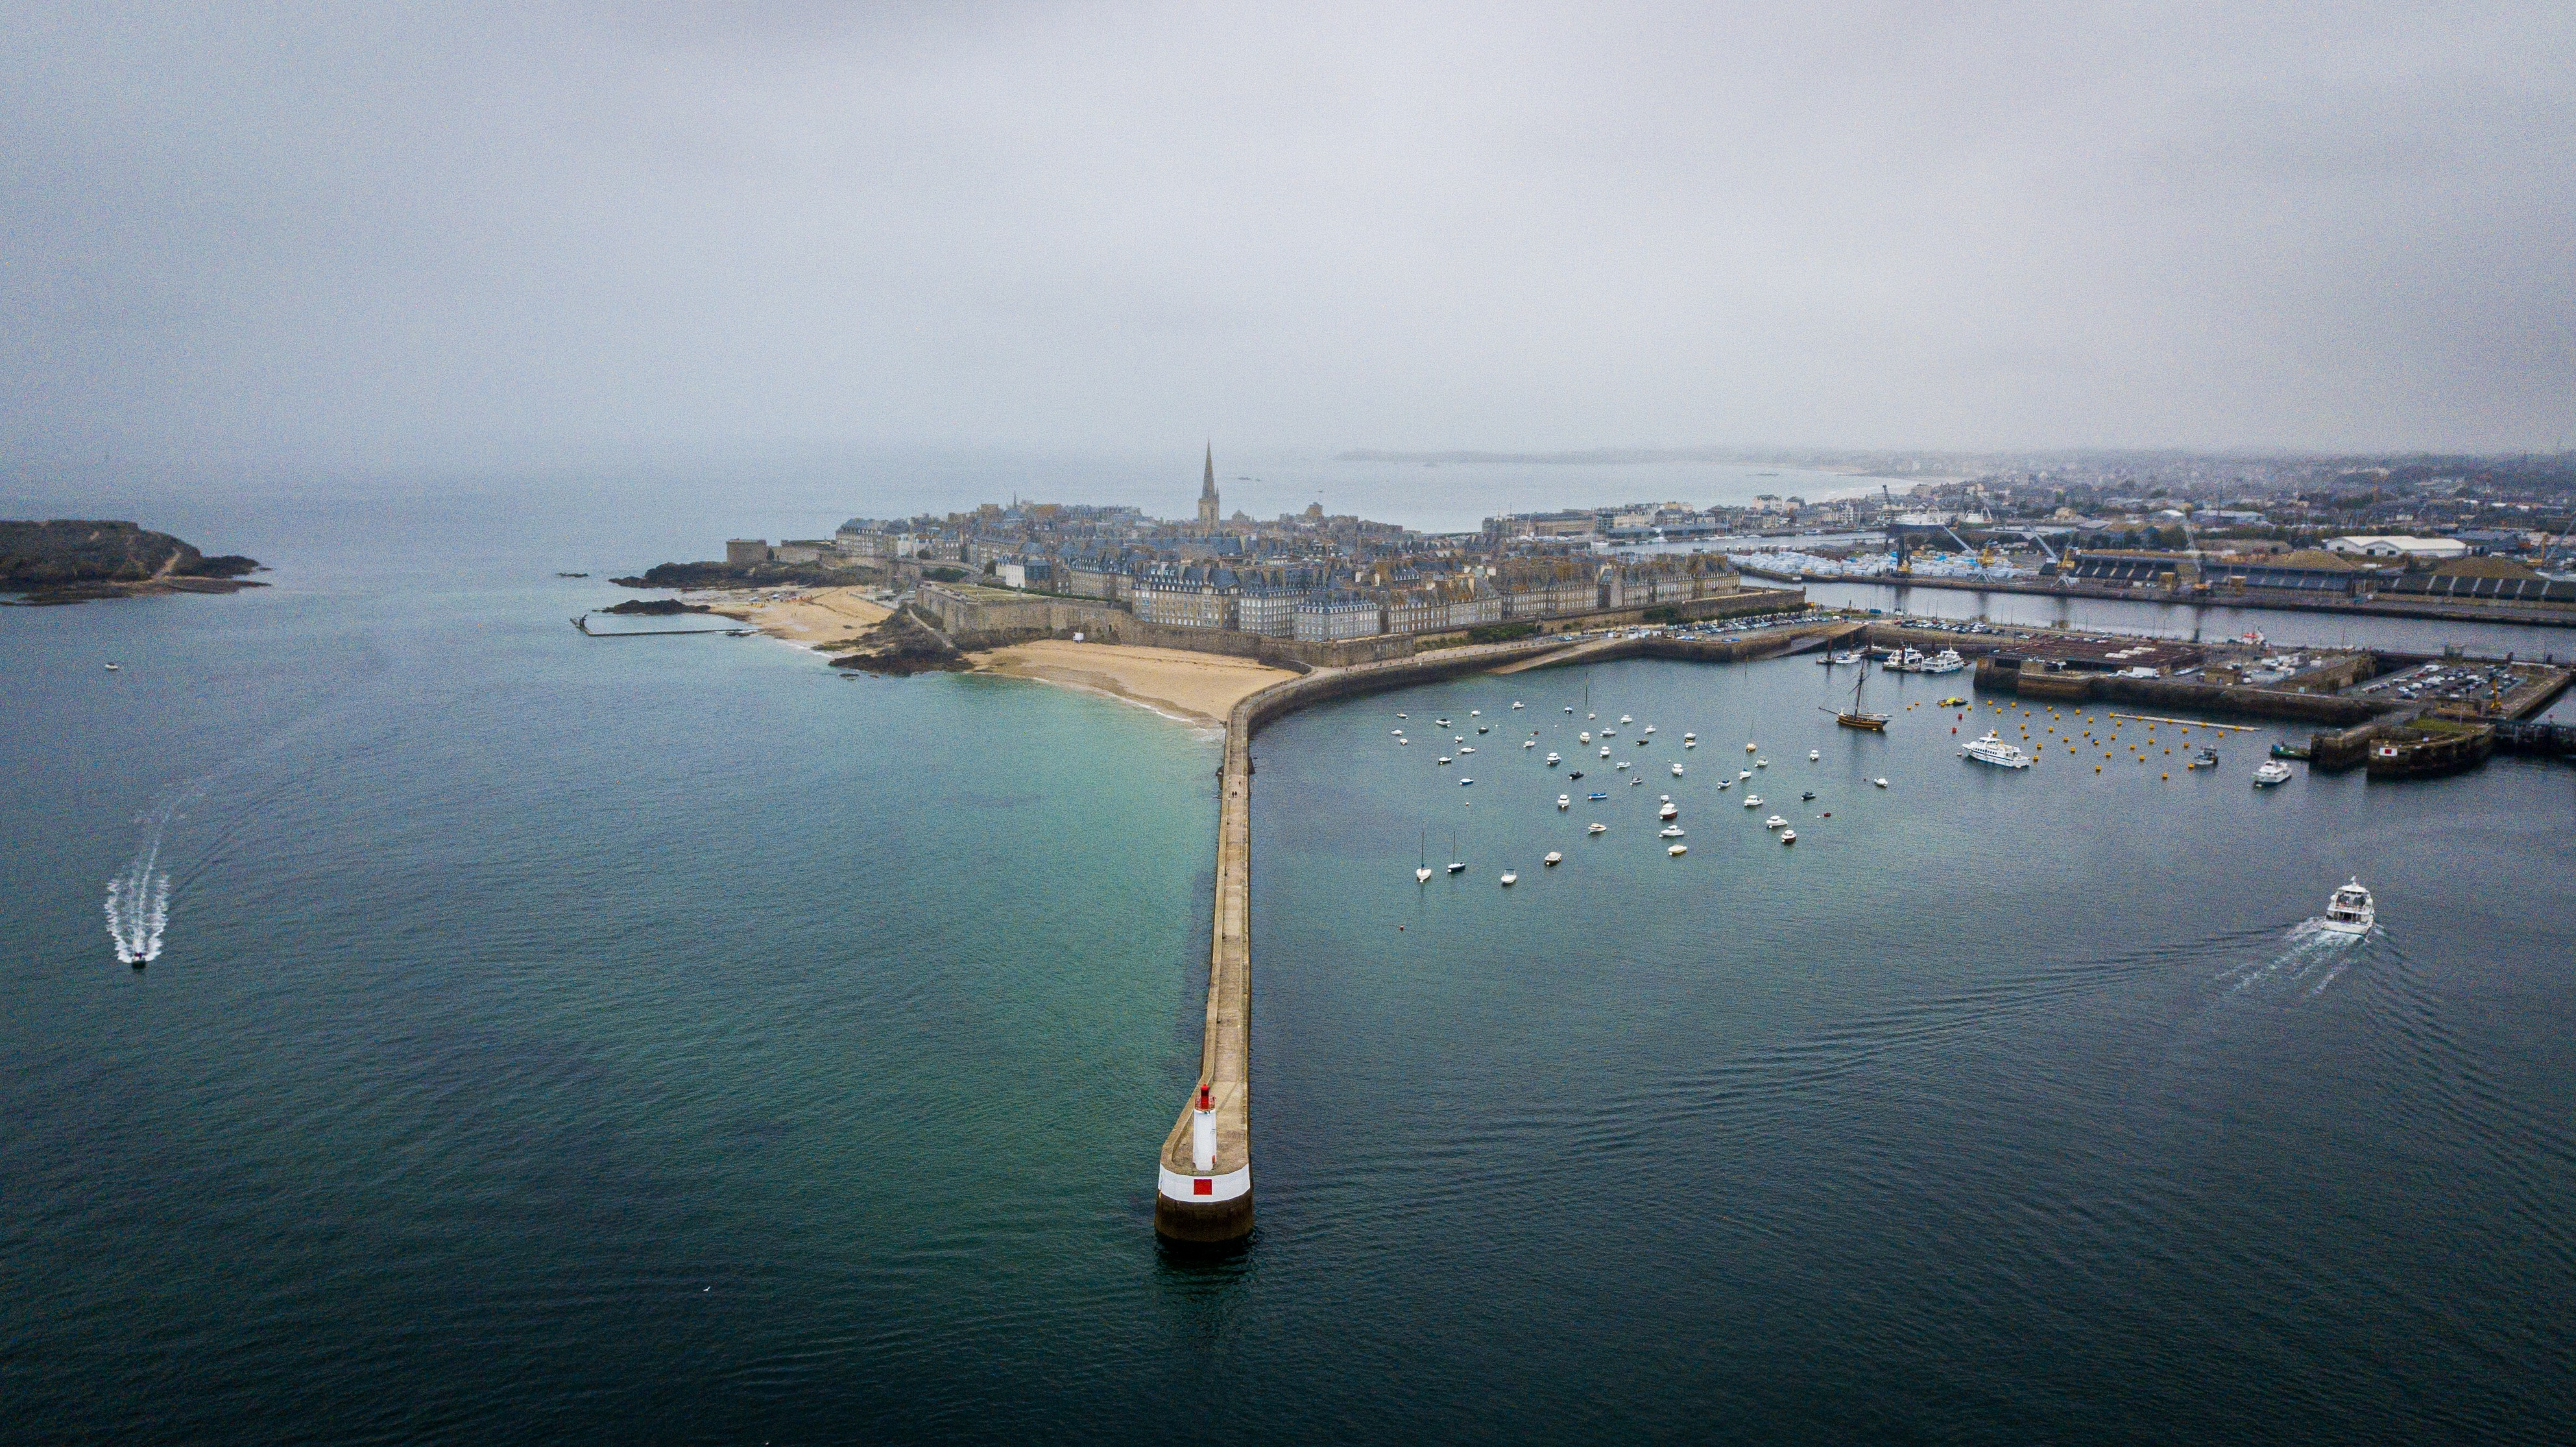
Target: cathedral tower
[(1207, 493)]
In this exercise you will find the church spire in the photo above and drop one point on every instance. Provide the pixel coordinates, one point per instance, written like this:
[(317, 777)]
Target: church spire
[(1207, 490)]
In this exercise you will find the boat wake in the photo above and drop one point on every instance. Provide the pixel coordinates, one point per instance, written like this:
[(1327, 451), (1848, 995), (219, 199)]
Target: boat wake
[(2311, 957), (138, 897)]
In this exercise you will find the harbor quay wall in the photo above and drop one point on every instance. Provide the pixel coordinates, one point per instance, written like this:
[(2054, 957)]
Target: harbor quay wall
[(2535, 615), (2003, 673)]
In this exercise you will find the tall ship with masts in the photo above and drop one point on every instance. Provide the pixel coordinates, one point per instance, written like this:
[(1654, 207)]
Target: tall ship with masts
[(1855, 717)]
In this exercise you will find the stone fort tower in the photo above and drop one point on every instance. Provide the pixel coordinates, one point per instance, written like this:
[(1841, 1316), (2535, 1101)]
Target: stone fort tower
[(1207, 493)]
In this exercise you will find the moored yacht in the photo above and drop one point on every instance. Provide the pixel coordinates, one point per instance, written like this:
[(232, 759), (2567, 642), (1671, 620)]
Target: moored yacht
[(1668, 811), (1993, 750), (2270, 772), (1564, 802), (1945, 661)]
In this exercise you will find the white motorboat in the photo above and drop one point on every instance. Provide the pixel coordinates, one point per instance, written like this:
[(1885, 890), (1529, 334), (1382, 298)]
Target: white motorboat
[(1553, 858), (1752, 801), (1441, 722), (1881, 783), (1812, 756), (1510, 879), (1750, 747), (1669, 831), (1529, 743), (1620, 767), (1761, 763), (1690, 738), (1993, 750), (1407, 742), (1466, 748), (1627, 719), (1905, 660), (1668, 811), (1650, 728), (1444, 758), (2351, 911), (1584, 737), (1788, 836), (1553, 757), (1605, 751), (1596, 829), (1726, 783), (1945, 661), (1678, 850), (1517, 704), (1564, 802), (1690, 743), (1399, 733), (1462, 783), (1744, 773), (1475, 713), (1852, 656), (2270, 772), (1677, 771), (1775, 822)]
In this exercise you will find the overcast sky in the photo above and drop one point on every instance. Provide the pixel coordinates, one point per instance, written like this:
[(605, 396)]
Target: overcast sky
[(401, 235)]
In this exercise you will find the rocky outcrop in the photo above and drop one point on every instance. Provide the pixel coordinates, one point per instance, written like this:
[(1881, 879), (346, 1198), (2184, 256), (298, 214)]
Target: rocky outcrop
[(900, 645), (656, 607), (71, 561), (725, 575)]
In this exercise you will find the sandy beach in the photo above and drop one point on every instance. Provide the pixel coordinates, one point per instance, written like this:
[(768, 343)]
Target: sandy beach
[(823, 615), (1200, 686)]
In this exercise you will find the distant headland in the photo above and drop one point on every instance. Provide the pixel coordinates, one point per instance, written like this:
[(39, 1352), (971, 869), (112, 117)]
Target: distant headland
[(72, 561)]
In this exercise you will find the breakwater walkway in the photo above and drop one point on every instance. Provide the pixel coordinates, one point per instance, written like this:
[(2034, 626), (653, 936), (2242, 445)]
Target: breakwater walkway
[(1203, 1189)]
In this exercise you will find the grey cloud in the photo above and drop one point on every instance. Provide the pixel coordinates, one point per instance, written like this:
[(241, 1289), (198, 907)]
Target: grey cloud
[(401, 234)]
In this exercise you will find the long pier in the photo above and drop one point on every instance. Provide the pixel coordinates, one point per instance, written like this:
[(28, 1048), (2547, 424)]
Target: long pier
[(1203, 1188)]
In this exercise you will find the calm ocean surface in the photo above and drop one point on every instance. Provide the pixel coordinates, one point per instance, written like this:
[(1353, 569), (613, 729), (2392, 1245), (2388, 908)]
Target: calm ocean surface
[(555, 1038)]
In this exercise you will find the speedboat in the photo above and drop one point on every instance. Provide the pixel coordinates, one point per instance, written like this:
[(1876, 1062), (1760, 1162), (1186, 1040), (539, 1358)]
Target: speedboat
[(1462, 783), (112, 668), (1597, 829), (1677, 771), (1406, 742), (1775, 822), (1726, 783), (1444, 758), (1577, 774), (1954, 701), (1627, 719), (1596, 796), (1584, 737), (1882, 783), (1516, 703), (1553, 859), (1564, 802), (1650, 728), (1554, 758), (1669, 831), (1678, 850), (1484, 728), (1605, 751), (2207, 758), (1510, 879), (1993, 750), (1690, 738), (1744, 773), (2270, 772), (1529, 743), (1788, 836), (1668, 811), (1632, 783), (1807, 796), (1812, 756), (1466, 748), (1752, 801), (1475, 713), (2351, 911), (1761, 763), (1442, 722)]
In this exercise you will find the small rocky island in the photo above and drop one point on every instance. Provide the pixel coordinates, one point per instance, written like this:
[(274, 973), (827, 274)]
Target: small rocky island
[(71, 561)]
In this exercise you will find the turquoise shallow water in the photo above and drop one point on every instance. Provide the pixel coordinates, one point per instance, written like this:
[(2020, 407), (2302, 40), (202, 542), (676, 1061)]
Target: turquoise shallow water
[(670, 1039)]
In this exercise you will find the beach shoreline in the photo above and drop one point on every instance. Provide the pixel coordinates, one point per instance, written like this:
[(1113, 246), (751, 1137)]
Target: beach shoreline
[(809, 617), (1195, 688)]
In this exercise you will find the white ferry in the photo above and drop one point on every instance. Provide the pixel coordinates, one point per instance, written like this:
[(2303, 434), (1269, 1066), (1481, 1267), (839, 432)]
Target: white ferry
[(1993, 750), (2270, 772), (1945, 661), (2351, 911)]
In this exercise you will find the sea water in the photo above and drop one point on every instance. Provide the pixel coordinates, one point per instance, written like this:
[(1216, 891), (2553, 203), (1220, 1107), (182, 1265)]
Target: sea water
[(550, 1037)]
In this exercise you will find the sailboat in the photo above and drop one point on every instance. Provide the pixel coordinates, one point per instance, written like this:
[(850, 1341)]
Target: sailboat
[(1422, 875), (1455, 867), (1853, 717)]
